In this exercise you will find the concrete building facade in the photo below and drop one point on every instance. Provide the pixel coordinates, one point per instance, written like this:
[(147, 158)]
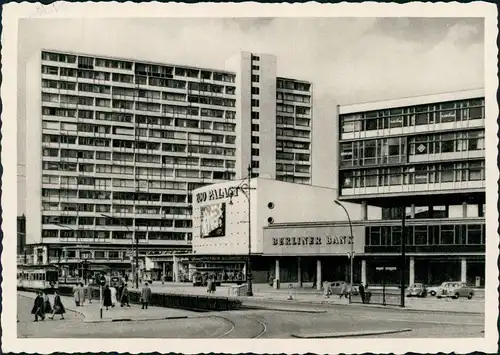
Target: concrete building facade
[(424, 157), (111, 150)]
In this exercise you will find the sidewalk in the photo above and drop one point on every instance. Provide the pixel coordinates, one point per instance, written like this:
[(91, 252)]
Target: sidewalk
[(312, 296), (91, 311)]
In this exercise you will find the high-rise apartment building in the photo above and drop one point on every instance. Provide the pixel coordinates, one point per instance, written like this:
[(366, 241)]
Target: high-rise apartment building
[(424, 156), (111, 148)]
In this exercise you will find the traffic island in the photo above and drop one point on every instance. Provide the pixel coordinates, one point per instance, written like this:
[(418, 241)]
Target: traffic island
[(352, 334)]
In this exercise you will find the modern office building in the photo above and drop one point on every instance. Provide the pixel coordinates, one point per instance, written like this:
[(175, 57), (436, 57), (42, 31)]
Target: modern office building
[(111, 149), (424, 156)]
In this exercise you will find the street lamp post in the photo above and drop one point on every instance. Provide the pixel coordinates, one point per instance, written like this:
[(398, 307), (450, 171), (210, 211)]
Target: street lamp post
[(351, 254), (136, 273), (243, 186)]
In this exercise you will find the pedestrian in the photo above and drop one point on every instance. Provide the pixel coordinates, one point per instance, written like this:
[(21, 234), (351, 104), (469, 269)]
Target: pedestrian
[(82, 294), (124, 297), (145, 296), (47, 308), (214, 283), (209, 285), (368, 294), (126, 278), (113, 295), (89, 293), (37, 309), (362, 292), (326, 289), (107, 297), (76, 295), (343, 291), (58, 306)]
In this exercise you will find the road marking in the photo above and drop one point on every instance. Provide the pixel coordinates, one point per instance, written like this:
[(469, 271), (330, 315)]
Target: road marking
[(263, 331), (430, 322)]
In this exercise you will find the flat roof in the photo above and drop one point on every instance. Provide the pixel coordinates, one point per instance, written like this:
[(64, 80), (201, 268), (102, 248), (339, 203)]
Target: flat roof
[(411, 101), (135, 60)]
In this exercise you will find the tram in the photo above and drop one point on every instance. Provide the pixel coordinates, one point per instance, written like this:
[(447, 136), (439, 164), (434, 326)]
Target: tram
[(37, 277)]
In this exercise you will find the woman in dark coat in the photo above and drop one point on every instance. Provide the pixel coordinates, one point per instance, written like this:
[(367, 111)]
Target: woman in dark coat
[(58, 306), (47, 308), (37, 309), (107, 297)]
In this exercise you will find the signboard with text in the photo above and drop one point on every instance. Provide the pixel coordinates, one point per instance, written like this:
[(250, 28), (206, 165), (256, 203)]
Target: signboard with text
[(328, 240)]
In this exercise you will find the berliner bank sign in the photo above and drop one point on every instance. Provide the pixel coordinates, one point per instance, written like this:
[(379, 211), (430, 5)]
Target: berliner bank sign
[(329, 240)]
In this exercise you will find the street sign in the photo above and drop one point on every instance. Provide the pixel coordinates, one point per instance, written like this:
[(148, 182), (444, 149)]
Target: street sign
[(102, 281), (386, 268)]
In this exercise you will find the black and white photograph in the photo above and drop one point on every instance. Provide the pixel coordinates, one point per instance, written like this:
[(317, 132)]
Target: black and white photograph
[(310, 179)]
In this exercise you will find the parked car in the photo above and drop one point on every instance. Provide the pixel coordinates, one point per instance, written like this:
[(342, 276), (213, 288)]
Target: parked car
[(336, 288), (434, 290), (417, 290), (456, 290)]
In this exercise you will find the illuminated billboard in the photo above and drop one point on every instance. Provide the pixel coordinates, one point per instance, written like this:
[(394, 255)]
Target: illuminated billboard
[(213, 220)]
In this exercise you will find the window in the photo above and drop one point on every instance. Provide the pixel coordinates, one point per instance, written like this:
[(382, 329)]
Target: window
[(255, 115), (255, 152), (255, 78), (255, 103), (476, 171), (474, 234), (255, 128), (476, 140), (369, 151), (255, 90), (374, 236), (420, 235), (255, 139), (447, 172), (447, 234), (447, 143)]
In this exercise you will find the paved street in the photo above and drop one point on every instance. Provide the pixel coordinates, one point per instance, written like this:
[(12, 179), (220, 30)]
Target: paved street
[(281, 320)]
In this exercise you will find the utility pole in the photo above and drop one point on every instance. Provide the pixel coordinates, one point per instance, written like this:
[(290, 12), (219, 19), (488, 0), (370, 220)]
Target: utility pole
[(136, 262), (403, 255)]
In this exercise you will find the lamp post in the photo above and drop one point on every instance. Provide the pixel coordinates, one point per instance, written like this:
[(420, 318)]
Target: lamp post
[(245, 188), (351, 253), (136, 273)]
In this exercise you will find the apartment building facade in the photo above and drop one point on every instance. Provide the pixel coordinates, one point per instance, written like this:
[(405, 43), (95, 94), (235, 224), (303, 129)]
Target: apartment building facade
[(112, 149), (424, 157)]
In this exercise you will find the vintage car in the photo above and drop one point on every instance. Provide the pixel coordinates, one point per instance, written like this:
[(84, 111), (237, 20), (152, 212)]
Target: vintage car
[(417, 290), (456, 290), (434, 290), (337, 286)]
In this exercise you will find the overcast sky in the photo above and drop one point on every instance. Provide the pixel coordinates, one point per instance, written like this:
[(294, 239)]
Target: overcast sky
[(351, 59)]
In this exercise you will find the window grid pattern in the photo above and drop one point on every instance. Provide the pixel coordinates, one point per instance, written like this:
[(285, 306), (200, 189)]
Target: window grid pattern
[(131, 140)]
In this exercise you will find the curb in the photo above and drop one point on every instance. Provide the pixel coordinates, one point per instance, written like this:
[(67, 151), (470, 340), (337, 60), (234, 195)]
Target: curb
[(395, 308), (257, 308), (134, 320), (351, 334)]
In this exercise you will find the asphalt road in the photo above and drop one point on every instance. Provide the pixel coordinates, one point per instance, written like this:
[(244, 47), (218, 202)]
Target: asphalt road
[(259, 323)]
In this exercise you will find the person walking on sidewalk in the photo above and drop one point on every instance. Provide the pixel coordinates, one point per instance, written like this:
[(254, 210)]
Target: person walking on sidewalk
[(82, 294), (145, 296), (107, 297), (343, 291), (37, 309), (113, 296), (76, 295), (124, 297), (58, 306), (47, 308), (88, 292), (362, 292)]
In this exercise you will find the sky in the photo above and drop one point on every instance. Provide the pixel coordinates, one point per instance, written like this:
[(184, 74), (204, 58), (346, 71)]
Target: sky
[(351, 60)]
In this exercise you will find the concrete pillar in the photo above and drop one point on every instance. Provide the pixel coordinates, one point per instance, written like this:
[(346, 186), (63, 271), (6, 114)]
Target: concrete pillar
[(412, 213), (364, 211), (277, 271), (464, 209), (175, 271), (412, 271), (463, 273), (299, 271), (319, 278), (363, 272)]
